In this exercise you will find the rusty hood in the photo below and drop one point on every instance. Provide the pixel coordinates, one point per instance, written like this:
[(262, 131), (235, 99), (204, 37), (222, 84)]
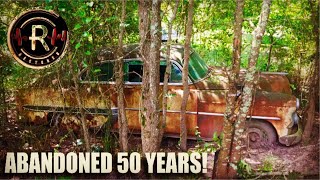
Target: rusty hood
[(217, 79)]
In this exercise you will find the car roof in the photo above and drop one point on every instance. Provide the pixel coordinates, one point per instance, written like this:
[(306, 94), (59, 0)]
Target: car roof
[(132, 51)]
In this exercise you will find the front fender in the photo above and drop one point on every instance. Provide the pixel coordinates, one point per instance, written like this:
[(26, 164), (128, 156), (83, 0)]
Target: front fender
[(292, 139)]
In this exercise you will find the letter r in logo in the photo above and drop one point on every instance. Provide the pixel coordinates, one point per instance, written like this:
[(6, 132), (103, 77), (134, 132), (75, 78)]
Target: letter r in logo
[(34, 38)]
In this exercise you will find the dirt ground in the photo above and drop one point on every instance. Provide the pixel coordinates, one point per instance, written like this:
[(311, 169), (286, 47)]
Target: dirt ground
[(299, 161), (295, 162)]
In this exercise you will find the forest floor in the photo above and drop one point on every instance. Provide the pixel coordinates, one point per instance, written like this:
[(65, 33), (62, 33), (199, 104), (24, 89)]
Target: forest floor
[(294, 162)]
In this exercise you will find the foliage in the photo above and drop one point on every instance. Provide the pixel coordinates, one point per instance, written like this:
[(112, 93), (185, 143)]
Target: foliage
[(209, 147), (94, 24), (107, 139), (197, 133), (291, 30), (268, 164), (244, 170), (217, 139), (289, 33)]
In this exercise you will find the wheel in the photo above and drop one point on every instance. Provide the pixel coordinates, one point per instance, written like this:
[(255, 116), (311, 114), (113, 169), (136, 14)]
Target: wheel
[(260, 134)]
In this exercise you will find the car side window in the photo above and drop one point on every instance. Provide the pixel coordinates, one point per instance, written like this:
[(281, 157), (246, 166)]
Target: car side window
[(102, 72), (176, 74), (135, 72)]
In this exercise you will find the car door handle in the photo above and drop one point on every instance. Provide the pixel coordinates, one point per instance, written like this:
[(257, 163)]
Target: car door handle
[(128, 87)]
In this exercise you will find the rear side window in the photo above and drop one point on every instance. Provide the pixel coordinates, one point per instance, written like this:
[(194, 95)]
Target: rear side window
[(135, 72), (176, 74), (101, 72)]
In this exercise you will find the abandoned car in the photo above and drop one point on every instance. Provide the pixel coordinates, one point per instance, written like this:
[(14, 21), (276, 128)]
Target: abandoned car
[(272, 117)]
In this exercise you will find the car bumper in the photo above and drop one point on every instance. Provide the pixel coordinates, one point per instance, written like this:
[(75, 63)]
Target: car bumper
[(292, 138)]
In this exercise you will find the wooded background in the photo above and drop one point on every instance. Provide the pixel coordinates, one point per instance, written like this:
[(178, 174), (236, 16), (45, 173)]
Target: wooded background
[(290, 42), (287, 46)]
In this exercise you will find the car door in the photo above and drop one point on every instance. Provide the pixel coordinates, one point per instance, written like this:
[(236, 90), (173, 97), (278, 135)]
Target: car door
[(211, 108), (175, 96), (133, 70), (98, 92), (133, 82)]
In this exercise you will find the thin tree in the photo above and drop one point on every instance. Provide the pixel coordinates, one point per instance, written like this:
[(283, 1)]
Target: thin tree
[(168, 71), (314, 80), (84, 125), (248, 90), (227, 158), (122, 119), (150, 41), (185, 75), (270, 50), (230, 114), (3, 104)]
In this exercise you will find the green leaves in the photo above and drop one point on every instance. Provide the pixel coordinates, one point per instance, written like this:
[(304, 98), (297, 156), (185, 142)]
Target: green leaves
[(88, 53), (77, 26), (86, 34), (81, 13), (97, 70), (87, 20), (84, 64), (78, 45), (244, 169), (62, 9), (48, 7), (90, 4), (217, 139)]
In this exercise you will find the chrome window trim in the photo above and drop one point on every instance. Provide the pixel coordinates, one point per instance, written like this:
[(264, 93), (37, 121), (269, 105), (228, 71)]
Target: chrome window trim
[(127, 82), (97, 82)]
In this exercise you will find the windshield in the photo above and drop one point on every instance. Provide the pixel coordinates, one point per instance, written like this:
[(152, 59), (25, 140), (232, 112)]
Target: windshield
[(198, 69)]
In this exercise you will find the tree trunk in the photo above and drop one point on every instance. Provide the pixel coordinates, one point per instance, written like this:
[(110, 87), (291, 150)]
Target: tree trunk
[(168, 73), (3, 104), (237, 39), (185, 72), (85, 131), (223, 168), (248, 91), (84, 125), (314, 80), (122, 119), (270, 52), (150, 52)]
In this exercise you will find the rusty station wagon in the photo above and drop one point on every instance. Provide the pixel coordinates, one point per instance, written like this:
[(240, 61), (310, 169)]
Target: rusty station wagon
[(272, 117)]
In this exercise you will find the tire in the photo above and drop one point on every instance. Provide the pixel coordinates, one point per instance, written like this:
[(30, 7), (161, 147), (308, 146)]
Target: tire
[(260, 134)]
